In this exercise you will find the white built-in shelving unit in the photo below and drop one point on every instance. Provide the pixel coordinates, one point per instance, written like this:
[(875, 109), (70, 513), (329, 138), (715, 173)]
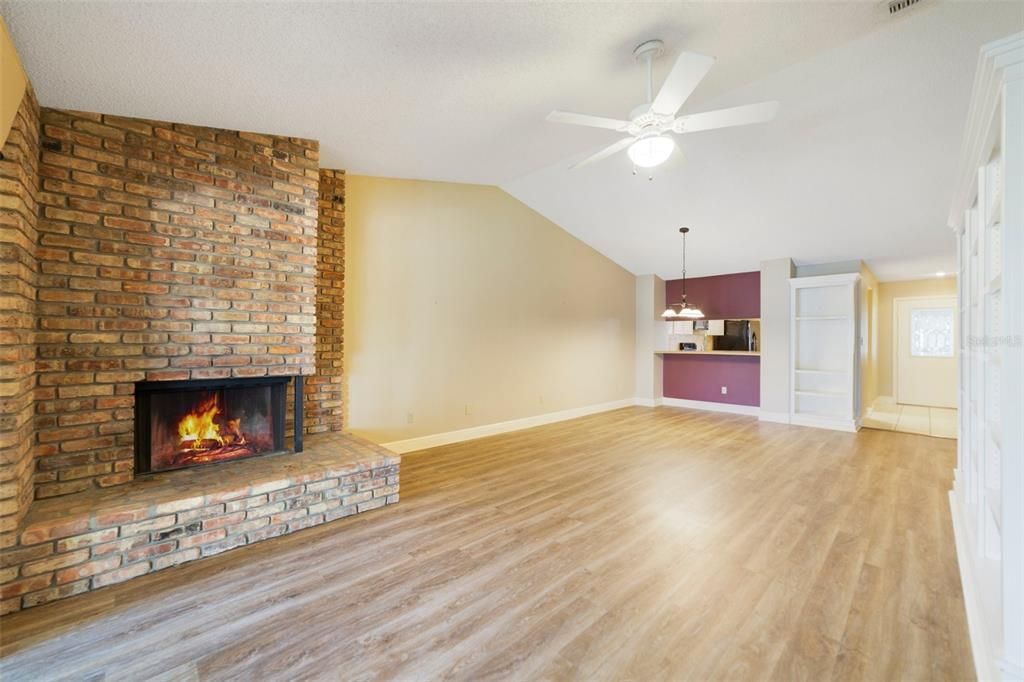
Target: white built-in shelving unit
[(824, 385), (987, 500)]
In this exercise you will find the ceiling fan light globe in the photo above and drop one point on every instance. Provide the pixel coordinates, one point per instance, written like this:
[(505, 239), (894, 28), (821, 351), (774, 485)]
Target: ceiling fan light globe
[(691, 313), (669, 312), (649, 152)]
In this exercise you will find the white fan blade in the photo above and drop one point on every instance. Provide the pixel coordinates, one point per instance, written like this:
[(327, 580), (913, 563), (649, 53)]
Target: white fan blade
[(725, 118), (604, 153), (688, 71), (587, 120)]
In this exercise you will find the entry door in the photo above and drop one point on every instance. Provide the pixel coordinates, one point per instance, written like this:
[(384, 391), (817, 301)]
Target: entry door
[(925, 353)]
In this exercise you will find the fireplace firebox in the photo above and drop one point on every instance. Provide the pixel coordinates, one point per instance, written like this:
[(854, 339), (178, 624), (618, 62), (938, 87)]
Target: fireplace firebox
[(181, 424)]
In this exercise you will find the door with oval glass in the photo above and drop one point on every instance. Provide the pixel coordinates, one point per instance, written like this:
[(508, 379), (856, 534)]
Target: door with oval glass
[(924, 371)]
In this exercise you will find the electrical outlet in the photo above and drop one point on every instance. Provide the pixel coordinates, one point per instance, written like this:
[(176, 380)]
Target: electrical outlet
[(467, 409), (725, 390), (410, 417)]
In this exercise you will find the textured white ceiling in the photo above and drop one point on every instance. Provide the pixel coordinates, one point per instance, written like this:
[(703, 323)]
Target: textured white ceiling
[(440, 91), (857, 166)]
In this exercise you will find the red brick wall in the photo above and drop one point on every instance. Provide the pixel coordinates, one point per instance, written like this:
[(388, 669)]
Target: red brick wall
[(18, 220), (165, 251), (323, 406)]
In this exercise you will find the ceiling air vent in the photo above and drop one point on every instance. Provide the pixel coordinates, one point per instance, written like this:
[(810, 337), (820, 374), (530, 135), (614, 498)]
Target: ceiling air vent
[(897, 6)]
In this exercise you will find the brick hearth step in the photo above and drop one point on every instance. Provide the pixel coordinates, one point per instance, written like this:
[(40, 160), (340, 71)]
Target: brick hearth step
[(77, 543)]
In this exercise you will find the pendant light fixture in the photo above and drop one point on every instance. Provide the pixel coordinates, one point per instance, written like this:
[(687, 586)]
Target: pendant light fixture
[(686, 310)]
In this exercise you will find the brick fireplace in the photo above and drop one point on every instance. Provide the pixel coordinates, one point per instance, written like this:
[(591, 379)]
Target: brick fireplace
[(166, 253), (139, 254)]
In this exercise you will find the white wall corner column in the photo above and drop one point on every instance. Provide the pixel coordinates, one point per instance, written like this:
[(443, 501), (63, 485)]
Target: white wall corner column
[(651, 335), (987, 500), (775, 298)]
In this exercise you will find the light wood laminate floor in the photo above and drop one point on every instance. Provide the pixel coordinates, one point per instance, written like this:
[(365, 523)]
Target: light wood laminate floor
[(643, 544)]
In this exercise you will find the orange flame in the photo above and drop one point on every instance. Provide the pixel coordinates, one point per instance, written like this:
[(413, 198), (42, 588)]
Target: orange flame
[(200, 426)]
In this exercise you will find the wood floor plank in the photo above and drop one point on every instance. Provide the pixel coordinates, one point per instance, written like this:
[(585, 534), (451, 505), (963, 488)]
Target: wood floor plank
[(639, 544)]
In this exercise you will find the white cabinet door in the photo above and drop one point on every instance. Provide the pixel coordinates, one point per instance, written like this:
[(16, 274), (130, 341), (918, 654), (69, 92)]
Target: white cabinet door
[(682, 327)]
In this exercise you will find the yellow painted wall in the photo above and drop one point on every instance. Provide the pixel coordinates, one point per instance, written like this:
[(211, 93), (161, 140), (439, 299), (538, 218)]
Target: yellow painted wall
[(869, 336), (12, 82), (887, 291), (464, 307)]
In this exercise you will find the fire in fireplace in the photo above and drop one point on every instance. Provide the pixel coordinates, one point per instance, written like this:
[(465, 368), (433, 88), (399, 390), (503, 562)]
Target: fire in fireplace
[(187, 423), (216, 426)]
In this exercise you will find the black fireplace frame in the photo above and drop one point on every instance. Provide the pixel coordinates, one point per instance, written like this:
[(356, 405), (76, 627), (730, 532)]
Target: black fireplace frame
[(144, 390)]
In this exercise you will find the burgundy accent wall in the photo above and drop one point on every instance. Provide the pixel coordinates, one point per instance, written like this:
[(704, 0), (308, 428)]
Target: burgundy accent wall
[(737, 295), (701, 377)]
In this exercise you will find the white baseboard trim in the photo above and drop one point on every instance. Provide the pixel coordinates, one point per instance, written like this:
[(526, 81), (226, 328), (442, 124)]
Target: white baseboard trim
[(449, 437), (849, 425), (777, 417), (749, 410), (984, 660)]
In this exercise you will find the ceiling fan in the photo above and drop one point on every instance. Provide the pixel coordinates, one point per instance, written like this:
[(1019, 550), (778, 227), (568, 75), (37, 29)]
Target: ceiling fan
[(648, 126)]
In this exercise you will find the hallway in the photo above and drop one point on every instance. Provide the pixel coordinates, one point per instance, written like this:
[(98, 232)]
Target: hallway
[(939, 422)]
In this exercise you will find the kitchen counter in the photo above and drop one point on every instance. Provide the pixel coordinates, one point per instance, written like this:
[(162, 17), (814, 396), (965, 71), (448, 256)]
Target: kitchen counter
[(746, 353)]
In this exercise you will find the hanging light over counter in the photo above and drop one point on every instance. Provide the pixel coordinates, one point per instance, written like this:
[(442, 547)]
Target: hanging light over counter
[(686, 311)]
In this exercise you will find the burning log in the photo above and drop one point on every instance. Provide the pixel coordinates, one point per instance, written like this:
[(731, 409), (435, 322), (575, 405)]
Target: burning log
[(189, 457), (197, 427)]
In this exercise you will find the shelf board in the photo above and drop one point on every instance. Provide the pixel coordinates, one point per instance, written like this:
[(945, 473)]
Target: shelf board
[(820, 371), (820, 415), (822, 317)]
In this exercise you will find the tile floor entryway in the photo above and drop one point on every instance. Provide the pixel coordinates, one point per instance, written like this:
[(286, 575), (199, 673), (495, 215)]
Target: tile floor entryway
[(929, 421)]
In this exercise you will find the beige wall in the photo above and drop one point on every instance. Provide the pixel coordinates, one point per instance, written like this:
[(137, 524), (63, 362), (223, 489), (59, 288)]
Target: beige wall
[(12, 82), (887, 291), (834, 268), (464, 307), (775, 298), (651, 335), (868, 337)]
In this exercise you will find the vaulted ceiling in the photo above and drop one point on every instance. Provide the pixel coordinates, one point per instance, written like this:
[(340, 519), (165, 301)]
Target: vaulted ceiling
[(859, 163)]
